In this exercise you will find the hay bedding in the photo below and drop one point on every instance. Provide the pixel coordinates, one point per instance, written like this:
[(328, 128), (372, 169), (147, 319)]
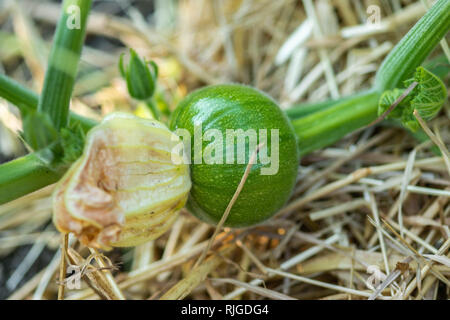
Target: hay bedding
[(344, 223)]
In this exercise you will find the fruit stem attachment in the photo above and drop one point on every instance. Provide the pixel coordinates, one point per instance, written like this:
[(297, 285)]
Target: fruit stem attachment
[(325, 127)]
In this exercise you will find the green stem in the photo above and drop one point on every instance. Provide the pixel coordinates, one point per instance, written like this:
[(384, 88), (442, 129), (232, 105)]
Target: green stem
[(26, 100), (325, 127), (63, 62), (17, 94), (414, 47), (86, 123), (27, 174), (301, 110), (150, 103)]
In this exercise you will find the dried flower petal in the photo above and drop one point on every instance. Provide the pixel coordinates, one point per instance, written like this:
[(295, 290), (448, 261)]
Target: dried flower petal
[(125, 189)]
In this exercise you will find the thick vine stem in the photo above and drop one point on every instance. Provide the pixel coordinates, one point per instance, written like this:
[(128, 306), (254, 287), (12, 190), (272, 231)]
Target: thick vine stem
[(325, 127), (332, 121), (63, 61), (27, 174), (414, 47), (298, 111)]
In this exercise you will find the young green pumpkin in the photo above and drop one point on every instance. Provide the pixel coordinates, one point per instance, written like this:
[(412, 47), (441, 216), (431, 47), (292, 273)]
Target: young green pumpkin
[(233, 107)]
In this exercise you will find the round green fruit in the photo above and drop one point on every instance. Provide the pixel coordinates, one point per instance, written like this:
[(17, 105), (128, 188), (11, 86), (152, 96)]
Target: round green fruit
[(220, 123)]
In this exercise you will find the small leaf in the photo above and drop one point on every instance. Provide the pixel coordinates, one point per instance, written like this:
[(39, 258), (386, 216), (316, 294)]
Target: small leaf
[(409, 121), (72, 142), (427, 97), (430, 94), (387, 100)]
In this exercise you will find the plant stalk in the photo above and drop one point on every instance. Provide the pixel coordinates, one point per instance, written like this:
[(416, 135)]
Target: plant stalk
[(325, 127), (27, 174), (25, 100), (304, 109), (63, 62), (414, 48), (17, 94)]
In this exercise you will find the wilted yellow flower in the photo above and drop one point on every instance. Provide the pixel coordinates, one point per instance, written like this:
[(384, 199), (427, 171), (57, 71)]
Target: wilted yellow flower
[(127, 187)]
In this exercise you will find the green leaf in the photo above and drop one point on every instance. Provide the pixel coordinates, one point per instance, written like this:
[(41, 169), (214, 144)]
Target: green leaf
[(427, 98), (429, 95), (387, 100)]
